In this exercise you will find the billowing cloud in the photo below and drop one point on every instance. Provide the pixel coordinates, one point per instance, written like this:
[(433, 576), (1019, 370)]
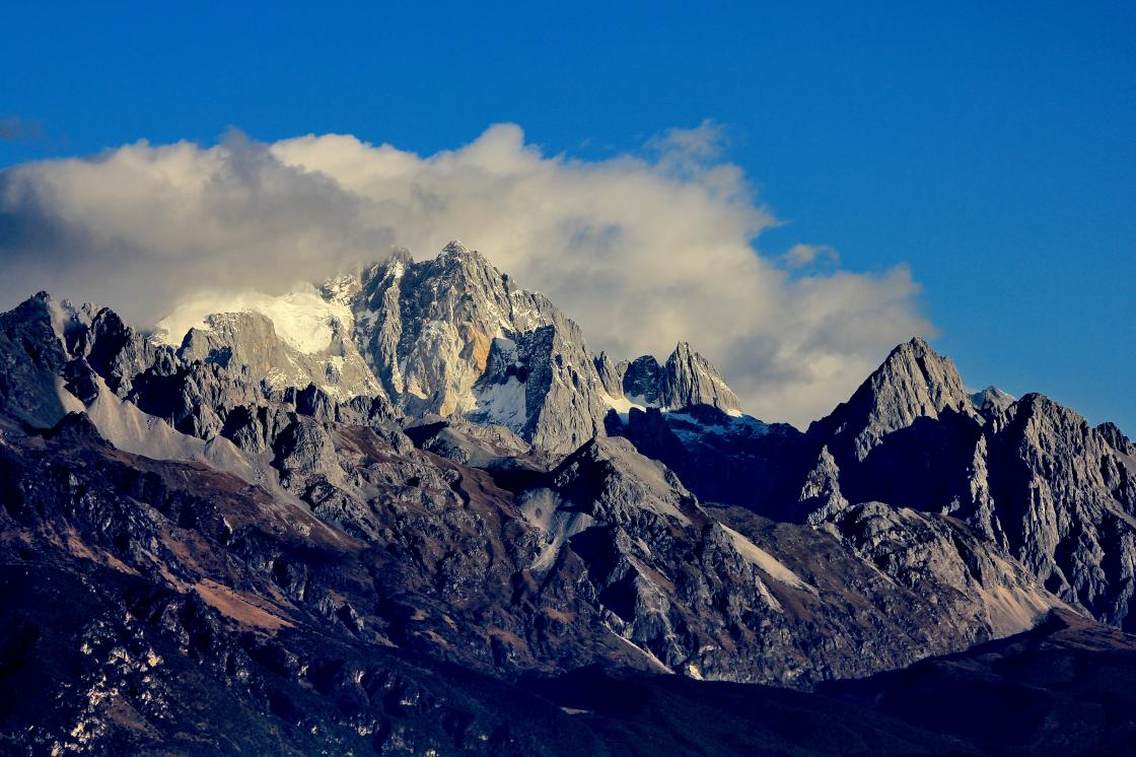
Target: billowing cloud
[(642, 250)]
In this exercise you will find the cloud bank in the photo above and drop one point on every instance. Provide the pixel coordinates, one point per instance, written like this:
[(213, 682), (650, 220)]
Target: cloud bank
[(642, 250)]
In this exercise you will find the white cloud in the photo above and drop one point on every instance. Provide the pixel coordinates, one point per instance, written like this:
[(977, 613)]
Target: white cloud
[(802, 255), (642, 250)]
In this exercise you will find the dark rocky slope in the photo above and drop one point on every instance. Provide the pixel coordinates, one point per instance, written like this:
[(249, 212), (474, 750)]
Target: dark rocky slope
[(198, 559), (1030, 475)]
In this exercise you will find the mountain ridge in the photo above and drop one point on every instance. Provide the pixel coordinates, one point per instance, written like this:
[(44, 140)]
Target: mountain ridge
[(426, 331), (488, 511)]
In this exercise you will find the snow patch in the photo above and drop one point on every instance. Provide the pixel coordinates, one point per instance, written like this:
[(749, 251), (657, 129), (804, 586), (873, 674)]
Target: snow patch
[(621, 405), (640, 401), (503, 404), (303, 319)]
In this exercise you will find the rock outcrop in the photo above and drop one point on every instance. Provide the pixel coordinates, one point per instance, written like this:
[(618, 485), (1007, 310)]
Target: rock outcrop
[(394, 555), (685, 380), (691, 380), (912, 384), (249, 340), (1030, 475), (454, 336)]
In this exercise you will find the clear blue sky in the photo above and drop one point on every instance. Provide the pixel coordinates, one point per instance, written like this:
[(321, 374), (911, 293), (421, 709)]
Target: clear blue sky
[(990, 145)]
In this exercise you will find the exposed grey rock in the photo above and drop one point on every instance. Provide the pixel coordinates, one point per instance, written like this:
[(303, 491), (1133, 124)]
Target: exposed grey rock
[(820, 494), (1065, 498), (913, 382), (675, 579), (194, 398), (441, 337), (249, 339), (643, 381), (611, 374), (467, 443), (616, 484), (1030, 475), (920, 549), (690, 380), (543, 385), (32, 356), (41, 336), (304, 448), (453, 335), (1112, 434), (991, 401), (606, 558), (685, 380), (504, 534), (426, 328), (114, 350)]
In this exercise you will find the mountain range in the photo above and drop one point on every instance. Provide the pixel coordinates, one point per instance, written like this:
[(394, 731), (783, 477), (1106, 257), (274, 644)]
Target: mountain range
[(408, 509)]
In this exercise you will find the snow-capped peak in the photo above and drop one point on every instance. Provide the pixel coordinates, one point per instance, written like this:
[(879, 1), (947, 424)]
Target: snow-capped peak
[(303, 318), (454, 248)]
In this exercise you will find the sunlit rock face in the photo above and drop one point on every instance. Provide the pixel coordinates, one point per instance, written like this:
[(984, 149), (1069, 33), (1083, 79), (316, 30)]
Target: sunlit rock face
[(686, 379), (380, 514), (1029, 474), (453, 335), (450, 336)]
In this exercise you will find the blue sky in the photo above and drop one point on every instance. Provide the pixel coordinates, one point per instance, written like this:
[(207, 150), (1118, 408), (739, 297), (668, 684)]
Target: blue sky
[(993, 149)]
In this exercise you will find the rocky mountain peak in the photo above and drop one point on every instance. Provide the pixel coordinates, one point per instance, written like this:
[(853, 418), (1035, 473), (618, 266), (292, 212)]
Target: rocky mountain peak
[(916, 370), (465, 266), (685, 380), (820, 495), (455, 249), (913, 382), (643, 381), (1111, 433), (351, 571), (618, 484), (692, 380), (1039, 414), (31, 358), (611, 374), (343, 289), (423, 333), (992, 401), (1047, 425), (39, 304), (454, 336), (40, 313), (251, 339)]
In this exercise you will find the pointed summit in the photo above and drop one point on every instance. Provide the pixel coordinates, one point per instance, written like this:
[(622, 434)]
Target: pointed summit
[(31, 357), (692, 380), (1116, 439), (40, 308), (463, 267), (918, 379), (457, 252), (685, 380), (611, 374), (643, 380), (913, 382), (455, 247), (454, 336), (991, 401)]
